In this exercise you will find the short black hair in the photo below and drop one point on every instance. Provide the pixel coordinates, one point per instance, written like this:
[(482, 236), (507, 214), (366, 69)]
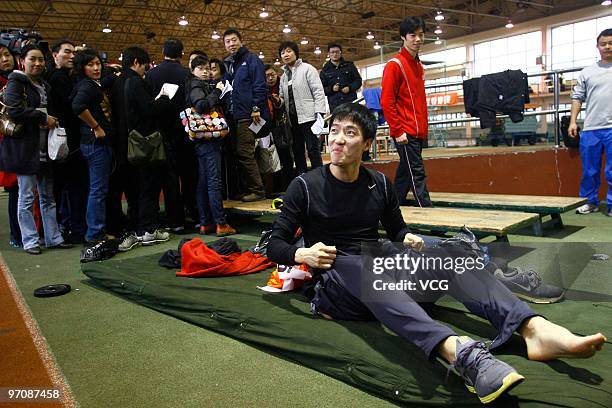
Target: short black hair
[(231, 31), (359, 115), (289, 44), (605, 33), (173, 48), (333, 45), (410, 25), (15, 66), (56, 46), (197, 61), (198, 52), (268, 66), (133, 54), (27, 48), (219, 63), (82, 58)]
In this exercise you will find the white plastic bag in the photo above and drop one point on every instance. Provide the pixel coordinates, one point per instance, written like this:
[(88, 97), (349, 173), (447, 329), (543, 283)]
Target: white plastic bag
[(57, 144), (267, 157)]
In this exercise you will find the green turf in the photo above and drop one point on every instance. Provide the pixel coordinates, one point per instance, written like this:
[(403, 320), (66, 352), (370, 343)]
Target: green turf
[(116, 353)]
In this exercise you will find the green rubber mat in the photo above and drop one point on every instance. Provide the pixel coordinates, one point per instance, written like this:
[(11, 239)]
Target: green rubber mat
[(364, 354)]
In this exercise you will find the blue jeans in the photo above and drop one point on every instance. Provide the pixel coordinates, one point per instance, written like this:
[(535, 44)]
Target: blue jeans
[(208, 197), (99, 162), (594, 143), (28, 184)]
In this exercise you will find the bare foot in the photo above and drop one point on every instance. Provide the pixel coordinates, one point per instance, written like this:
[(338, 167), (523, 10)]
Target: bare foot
[(548, 341)]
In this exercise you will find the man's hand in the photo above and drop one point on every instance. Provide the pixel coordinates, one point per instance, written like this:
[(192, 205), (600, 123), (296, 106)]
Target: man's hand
[(318, 256), (403, 139), (346, 90), (220, 85), (256, 116), (572, 131), (413, 241), (336, 87), (276, 98)]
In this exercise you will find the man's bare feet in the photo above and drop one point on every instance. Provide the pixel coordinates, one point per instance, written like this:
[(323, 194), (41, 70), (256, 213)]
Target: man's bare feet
[(548, 341)]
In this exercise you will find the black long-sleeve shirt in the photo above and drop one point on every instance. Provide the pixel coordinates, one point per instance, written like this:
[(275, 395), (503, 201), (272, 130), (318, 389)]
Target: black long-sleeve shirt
[(89, 95), (201, 95), (336, 213)]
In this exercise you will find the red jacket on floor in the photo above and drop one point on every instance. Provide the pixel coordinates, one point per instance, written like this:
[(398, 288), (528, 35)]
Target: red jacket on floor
[(403, 96), (199, 261)]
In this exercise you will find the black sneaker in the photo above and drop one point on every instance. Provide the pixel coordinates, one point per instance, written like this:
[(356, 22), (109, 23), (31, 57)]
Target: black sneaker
[(483, 374), (528, 285)]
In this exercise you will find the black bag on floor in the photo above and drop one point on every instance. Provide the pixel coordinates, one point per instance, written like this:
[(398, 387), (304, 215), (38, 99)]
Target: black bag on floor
[(101, 251)]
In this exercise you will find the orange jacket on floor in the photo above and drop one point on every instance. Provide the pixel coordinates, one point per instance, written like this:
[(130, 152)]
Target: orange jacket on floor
[(199, 261)]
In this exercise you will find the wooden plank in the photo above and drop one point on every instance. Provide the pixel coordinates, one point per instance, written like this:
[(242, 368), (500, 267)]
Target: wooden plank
[(497, 223), (443, 219), (263, 207), (527, 203)]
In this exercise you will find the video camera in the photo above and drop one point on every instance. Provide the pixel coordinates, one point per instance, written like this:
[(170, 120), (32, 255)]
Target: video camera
[(15, 38)]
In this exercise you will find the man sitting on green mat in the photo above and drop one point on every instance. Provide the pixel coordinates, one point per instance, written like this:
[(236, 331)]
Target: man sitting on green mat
[(339, 207)]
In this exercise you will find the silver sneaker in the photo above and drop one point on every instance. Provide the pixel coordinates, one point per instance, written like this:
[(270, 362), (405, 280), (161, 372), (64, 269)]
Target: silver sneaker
[(128, 241), (587, 209), (155, 237)]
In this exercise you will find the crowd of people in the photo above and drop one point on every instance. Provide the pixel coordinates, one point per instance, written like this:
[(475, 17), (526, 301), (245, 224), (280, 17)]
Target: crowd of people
[(100, 105), (336, 207)]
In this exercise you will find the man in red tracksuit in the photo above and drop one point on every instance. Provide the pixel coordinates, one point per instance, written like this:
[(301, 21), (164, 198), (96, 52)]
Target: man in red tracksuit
[(405, 108)]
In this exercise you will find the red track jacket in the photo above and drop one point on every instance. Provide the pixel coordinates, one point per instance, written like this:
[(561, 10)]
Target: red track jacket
[(403, 96)]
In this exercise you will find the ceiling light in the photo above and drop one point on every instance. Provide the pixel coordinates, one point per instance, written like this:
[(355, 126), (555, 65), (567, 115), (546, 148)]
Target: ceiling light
[(261, 55), (286, 30), (509, 24), (304, 41), (120, 57), (183, 21), (277, 62), (438, 41), (438, 30), (606, 2), (107, 29), (317, 50), (370, 36), (215, 35), (263, 13), (376, 46), (439, 16)]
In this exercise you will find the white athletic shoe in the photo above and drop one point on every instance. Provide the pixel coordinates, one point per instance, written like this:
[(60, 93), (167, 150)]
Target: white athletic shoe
[(587, 209), (155, 237)]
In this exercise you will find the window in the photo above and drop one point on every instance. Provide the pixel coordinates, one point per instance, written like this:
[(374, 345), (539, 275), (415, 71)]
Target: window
[(452, 56), (516, 52), (574, 45)]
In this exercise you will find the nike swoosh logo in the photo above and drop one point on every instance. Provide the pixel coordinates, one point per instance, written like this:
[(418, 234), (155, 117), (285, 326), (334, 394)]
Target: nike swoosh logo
[(527, 288), (372, 186)]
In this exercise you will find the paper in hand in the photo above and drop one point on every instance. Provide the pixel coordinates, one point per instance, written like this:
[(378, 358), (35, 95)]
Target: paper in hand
[(319, 125), (168, 89), (228, 88), (256, 127)]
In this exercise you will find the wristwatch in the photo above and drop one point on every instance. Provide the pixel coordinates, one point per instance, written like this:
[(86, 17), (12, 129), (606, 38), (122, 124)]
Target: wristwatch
[(255, 109)]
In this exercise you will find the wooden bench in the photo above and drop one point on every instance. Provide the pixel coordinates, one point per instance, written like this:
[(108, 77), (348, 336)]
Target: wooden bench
[(542, 205), (482, 223)]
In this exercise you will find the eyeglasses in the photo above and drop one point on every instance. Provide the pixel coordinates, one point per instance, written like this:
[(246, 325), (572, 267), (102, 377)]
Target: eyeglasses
[(335, 51)]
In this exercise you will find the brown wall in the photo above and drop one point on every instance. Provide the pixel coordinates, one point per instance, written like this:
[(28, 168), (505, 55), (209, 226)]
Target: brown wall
[(544, 172)]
